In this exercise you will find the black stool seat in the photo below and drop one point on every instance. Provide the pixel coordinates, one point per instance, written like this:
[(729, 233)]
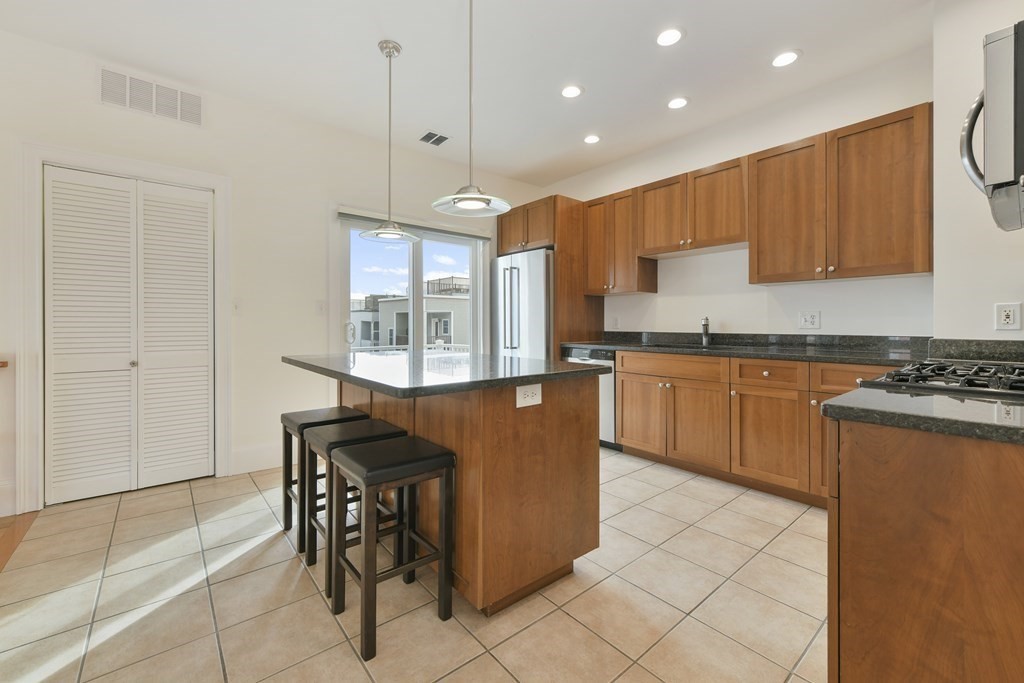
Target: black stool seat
[(397, 459), (301, 420), (326, 438)]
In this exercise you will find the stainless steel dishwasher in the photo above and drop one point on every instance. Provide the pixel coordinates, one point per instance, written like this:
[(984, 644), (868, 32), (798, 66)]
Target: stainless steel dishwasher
[(606, 389)]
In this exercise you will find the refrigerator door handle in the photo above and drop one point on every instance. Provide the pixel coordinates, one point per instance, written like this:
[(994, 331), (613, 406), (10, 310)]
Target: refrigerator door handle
[(515, 322), (506, 281)]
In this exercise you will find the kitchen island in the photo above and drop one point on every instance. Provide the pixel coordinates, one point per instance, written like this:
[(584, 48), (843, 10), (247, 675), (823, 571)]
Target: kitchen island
[(526, 478)]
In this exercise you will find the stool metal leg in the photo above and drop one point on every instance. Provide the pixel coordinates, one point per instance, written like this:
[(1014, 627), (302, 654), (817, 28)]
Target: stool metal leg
[(329, 528), (309, 458), (286, 466), (338, 519), (446, 538), (368, 606), (405, 539)]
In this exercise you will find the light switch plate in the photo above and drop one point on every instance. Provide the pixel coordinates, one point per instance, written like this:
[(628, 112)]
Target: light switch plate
[(528, 395), (809, 320)]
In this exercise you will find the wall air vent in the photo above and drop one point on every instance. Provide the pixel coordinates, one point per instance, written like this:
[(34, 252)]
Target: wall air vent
[(432, 138), (147, 96)]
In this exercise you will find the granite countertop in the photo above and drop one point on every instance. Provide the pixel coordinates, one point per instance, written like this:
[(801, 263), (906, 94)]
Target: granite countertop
[(407, 375), (970, 417)]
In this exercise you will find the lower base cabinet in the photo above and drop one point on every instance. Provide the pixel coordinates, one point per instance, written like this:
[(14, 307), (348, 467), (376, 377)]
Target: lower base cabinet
[(640, 412), (819, 466), (698, 423), (770, 435)]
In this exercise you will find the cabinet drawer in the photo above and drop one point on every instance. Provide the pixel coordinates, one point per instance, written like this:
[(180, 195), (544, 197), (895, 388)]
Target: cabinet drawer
[(838, 378), (710, 369), (783, 374)]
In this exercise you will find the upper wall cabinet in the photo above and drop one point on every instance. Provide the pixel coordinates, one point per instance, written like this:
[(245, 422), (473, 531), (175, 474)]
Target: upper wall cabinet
[(527, 227), (880, 195), (717, 204), (612, 263), (661, 216), (851, 203), (786, 212)]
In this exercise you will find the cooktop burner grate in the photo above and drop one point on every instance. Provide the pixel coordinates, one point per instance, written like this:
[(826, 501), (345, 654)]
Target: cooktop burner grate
[(955, 378)]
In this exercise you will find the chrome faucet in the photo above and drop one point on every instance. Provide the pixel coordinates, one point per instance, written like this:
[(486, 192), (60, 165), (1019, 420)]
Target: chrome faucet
[(704, 322)]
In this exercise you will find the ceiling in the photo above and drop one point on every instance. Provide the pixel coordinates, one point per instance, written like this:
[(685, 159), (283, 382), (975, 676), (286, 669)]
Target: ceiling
[(319, 59)]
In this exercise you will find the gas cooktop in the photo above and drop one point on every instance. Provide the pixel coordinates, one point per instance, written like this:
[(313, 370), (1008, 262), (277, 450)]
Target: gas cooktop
[(955, 378)]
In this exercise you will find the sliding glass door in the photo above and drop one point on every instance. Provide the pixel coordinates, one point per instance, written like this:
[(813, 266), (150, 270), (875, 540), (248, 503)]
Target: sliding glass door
[(421, 296)]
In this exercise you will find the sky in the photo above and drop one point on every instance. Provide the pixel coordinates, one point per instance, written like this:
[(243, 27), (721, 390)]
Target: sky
[(380, 268)]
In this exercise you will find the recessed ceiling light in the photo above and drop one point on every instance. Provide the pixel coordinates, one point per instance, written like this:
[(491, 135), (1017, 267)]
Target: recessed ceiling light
[(572, 91), (591, 139), (669, 37), (677, 103), (786, 58)]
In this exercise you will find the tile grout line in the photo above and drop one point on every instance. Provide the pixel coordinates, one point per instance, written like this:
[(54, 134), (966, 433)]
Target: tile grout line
[(209, 591), (800, 659), (96, 600)]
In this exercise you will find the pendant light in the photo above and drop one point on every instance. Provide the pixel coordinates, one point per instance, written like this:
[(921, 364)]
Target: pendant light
[(389, 231), (470, 200)]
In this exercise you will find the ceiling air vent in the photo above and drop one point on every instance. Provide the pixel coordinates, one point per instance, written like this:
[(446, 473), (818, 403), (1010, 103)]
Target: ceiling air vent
[(147, 96), (432, 138)]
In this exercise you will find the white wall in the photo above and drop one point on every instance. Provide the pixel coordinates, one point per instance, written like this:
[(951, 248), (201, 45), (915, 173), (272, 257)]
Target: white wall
[(286, 176), (976, 264), (715, 284)]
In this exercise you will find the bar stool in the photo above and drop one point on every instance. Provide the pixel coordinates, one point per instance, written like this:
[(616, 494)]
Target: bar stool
[(374, 467), (320, 441), (294, 425)]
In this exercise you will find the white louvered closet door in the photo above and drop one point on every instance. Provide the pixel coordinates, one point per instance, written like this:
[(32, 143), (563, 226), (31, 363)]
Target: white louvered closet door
[(91, 328), (176, 340)]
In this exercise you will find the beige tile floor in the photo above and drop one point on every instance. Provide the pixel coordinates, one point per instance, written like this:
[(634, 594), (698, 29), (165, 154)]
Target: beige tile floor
[(695, 580)]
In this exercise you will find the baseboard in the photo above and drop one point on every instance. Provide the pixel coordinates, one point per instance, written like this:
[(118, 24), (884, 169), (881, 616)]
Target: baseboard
[(253, 458), (7, 496)]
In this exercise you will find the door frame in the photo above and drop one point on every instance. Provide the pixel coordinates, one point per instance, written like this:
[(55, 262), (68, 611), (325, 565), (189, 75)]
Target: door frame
[(29, 378)]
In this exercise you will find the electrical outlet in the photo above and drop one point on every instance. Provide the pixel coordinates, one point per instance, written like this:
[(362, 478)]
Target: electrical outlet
[(615, 322), (1008, 316), (1009, 414), (809, 320), (528, 395)]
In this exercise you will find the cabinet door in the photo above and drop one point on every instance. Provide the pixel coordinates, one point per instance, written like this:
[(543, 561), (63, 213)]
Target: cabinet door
[(786, 212), (511, 231), (640, 412), (717, 204), (819, 444), (698, 423), (629, 273), (769, 435), (661, 216), (880, 195), (540, 223), (595, 228)]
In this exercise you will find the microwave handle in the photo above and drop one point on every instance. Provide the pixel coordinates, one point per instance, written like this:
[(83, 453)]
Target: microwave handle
[(967, 157)]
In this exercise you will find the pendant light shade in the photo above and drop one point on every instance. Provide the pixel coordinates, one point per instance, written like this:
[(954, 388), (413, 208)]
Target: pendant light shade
[(470, 200), (389, 231)]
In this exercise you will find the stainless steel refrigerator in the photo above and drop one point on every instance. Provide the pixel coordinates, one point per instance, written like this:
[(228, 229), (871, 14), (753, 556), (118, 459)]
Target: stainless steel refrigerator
[(521, 311)]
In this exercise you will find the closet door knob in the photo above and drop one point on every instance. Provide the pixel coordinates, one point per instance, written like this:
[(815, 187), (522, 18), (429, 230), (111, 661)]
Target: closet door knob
[(133, 363)]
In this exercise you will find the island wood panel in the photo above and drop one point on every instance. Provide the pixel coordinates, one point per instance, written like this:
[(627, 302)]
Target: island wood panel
[(769, 435), (887, 160), (540, 485), (833, 589), (661, 216), (717, 204), (786, 212), (575, 316), (398, 411), (698, 423), (929, 556), (355, 397), (455, 421)]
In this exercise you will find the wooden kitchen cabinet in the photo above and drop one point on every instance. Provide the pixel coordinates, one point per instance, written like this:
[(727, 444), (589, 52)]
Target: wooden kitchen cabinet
[(613, 266), (786, 212), (819, 444), (717, 204), (698, 423), (770, 435), (880, 195), (527, 227), (640, 412), (662, 216)]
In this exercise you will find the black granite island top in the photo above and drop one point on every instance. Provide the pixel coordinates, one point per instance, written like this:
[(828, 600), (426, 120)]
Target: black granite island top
[(970, 417), (403, 374)]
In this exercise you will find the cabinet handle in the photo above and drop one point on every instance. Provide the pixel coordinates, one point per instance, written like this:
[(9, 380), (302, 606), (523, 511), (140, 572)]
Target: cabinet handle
[(814, 402), (689, 241), (732, 393), (818, 269), (133, 363), (831, 269), (682, 242), (661, 385), (765, 373), (668, 385)]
